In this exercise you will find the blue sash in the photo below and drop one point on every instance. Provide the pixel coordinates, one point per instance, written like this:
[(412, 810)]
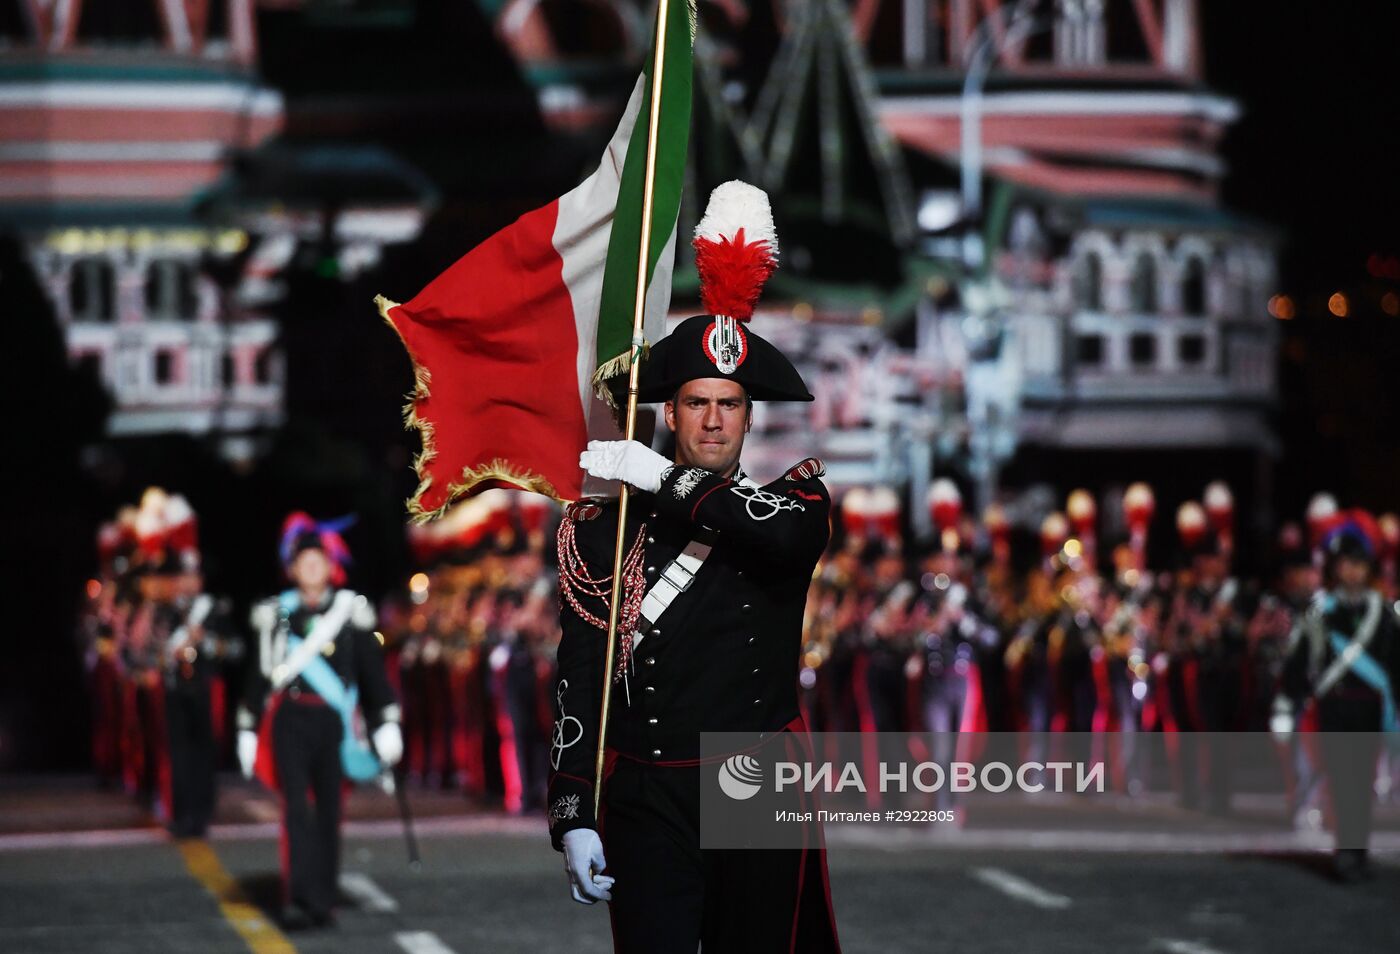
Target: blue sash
[(356, 757), (1370, 672)]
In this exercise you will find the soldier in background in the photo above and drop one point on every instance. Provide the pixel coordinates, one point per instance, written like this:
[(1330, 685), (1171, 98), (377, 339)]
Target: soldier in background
[(195, 632), (1340, 676), (318, 659)]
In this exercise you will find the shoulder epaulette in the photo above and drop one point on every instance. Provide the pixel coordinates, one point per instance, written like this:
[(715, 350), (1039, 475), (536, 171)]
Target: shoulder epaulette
[(264, 614), (589, 508), (806, 470), (362, 613)]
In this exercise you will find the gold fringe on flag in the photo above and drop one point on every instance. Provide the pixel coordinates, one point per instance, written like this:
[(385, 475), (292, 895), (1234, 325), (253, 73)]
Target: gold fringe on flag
[(498, 469)]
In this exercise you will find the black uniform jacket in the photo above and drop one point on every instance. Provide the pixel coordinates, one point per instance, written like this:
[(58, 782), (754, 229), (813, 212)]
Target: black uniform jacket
[(724, 655), (355, 655), (1351, 704)]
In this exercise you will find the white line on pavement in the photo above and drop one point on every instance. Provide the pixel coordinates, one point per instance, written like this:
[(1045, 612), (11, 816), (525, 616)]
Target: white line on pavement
[(368, 895), (1020, 889), (101, 838), (1174, 945), (421, 942), (263, 810)]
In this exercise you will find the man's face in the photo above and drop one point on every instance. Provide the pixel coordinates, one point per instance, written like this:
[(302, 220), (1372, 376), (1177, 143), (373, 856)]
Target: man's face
[(311, 570), (1353, 574), (710, 417), (1301, 580)]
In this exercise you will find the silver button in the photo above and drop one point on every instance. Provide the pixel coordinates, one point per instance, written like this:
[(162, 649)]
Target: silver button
[(651, 721), (650, 660), (651, 570), (651, 539), (755, 672), (653, 515), (650, 688), (745, 608), (656, 753), (740, 573), (655, 631), (752, 639), (758, 702)]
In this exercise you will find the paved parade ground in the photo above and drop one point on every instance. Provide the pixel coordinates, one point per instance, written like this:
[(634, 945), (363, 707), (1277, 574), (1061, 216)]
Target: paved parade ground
[(491, 883)]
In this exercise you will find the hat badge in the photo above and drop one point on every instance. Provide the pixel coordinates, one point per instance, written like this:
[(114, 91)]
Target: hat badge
[(725, 344)]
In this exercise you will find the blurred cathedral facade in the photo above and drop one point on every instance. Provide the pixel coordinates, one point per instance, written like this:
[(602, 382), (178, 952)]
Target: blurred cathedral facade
[(1001, 225)]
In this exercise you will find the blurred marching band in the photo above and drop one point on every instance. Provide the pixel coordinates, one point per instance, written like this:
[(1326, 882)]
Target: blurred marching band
[(998, 624)]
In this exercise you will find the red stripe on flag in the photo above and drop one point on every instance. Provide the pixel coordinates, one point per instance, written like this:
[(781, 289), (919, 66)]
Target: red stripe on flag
[(496, 335)]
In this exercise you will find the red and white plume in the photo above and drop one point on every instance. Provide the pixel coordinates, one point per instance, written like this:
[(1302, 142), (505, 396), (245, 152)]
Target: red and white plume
[(944, 504), (1191, 523), (736, 249)]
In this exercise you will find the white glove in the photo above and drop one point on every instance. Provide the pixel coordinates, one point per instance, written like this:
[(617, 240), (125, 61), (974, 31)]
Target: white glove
[(388, 743), (1281, 721), (628, 461), (247, 751), (583, 858)]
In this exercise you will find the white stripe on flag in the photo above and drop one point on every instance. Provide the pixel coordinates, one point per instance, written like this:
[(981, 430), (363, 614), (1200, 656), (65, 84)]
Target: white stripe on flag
[(581, 238)]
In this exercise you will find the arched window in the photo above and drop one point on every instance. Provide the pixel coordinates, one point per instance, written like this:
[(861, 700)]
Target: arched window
[(1088, 281), (92, 290), (164, 371), (264, 367), (1193, 287), (1144, 284), (170, 290)]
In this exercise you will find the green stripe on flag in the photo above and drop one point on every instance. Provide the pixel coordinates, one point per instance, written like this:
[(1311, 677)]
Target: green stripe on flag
[(624, 244)]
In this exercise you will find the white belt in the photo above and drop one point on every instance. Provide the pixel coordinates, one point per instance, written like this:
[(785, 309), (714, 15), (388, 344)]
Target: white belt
[(674, 580)]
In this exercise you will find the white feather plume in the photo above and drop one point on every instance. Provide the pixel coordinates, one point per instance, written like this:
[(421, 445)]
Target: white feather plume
[(944, 491), (736, 205), (177, 510)]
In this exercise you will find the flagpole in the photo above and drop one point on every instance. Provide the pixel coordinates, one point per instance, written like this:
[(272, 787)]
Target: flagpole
[(634, 368)]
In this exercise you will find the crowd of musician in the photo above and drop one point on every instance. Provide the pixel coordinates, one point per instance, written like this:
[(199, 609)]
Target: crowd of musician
[(992, 624)]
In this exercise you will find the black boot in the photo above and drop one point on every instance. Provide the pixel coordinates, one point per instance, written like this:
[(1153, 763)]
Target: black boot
[(1351, 865)]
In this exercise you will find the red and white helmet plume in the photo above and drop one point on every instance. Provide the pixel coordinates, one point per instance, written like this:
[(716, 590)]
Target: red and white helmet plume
[(1321, 515), (1220, 505), (944, 503), (736, 249), (1082, 511), (884, 513), (1139, 503), (1054, 531), (1191, 524), (855, 513)]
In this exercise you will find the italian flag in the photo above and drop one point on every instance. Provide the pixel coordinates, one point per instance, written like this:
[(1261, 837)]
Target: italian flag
[(510, 345)]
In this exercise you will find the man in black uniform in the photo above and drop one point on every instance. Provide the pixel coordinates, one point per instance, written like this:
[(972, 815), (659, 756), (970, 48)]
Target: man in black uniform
[(1341, 674), (316, 652), (192, 631), (721, 654)]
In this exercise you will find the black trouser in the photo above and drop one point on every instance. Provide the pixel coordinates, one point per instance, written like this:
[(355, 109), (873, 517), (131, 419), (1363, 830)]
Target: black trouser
[(1220, 700), (306, 744), (671, 897), (192, 758), (1350, 746)]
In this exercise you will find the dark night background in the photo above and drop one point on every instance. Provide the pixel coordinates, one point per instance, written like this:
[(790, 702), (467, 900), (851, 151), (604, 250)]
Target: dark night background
[(1314, 155)]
